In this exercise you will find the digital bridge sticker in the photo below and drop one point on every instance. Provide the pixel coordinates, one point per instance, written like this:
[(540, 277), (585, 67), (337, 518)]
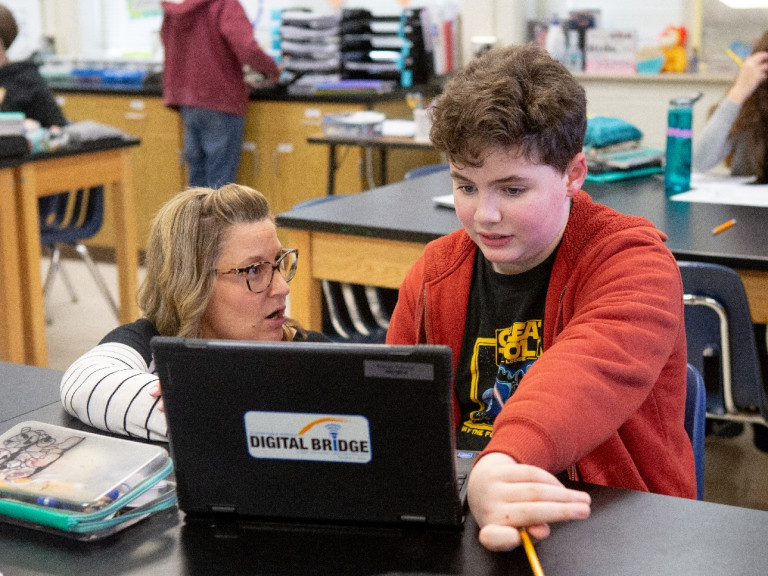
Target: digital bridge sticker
[(299, 436)]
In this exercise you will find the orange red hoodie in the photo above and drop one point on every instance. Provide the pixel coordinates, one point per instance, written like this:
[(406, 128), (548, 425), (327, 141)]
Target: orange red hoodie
[(606, 399)]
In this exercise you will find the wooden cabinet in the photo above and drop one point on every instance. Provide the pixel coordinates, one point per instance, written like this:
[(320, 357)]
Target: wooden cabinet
[(276, 158), (158, 172), (278, 161)]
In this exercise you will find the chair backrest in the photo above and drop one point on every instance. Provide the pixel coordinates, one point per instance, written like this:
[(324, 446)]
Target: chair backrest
[(695, 422), (424, 170), (720, 333), (74, 216)]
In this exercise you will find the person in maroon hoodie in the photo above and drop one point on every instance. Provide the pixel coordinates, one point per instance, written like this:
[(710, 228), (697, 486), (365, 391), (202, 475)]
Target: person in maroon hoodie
[(207, 43), (565, 317)]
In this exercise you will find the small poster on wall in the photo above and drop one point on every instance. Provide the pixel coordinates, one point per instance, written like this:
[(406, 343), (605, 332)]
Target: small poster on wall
[(610, 51)]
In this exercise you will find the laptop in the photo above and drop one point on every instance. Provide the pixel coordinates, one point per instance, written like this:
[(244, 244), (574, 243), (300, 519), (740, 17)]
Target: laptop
[(313, 432)]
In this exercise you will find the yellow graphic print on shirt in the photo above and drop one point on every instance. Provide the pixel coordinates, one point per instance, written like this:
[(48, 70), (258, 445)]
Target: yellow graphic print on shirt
[(497, 367)]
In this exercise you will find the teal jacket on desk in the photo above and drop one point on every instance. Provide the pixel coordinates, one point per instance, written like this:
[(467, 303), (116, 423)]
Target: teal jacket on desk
[(608, 393)]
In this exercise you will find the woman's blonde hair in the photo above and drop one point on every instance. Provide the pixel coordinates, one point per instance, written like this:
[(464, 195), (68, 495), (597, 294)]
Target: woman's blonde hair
[(185, 242)]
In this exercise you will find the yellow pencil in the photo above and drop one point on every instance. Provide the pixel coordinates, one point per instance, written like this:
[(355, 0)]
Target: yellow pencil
[(734, 57), (723, 227), (530, 551)]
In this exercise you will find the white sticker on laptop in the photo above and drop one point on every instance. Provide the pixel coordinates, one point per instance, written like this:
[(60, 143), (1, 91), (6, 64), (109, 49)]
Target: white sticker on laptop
[(297, 436)]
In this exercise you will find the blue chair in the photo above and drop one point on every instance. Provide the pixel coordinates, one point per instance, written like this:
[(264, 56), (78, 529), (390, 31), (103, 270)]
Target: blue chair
[(72, 218), (424, 170), (695, 422), (721, 342)]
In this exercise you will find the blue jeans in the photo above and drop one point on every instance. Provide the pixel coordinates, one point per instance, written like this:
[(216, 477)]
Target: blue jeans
[(212, 142)]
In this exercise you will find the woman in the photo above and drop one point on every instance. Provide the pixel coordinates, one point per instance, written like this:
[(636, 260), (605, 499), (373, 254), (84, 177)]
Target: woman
[(211, 265), (737, 131)]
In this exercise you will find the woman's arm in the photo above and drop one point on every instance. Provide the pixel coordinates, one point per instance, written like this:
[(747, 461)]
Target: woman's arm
[(109, 387), (713, 144)]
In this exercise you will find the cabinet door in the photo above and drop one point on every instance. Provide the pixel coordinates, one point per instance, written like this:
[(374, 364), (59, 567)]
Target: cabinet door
[(278, 161), (158, 173)]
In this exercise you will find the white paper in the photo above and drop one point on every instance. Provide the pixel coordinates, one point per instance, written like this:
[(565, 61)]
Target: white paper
[(402, 128), (444, 200), (732, 190)]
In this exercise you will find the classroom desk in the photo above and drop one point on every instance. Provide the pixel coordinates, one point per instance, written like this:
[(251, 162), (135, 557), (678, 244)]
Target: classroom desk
[(45, 174), (11, 317), (629, 533), (381, 143), (375, 237)]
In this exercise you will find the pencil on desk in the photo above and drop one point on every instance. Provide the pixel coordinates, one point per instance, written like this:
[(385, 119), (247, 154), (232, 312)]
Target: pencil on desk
[(530, 551), (734, 57), (724, 226)]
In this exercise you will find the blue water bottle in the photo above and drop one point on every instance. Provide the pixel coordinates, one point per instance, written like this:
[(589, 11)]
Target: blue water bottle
[(677, 171)]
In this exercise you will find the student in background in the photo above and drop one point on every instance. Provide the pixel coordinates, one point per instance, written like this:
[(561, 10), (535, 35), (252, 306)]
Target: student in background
[(215, 269), (22, 89), (736, 131), (207, 43), (565, 317)]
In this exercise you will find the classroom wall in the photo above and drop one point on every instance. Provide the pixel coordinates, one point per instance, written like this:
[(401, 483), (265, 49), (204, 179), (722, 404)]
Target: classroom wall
[(28, 19), (106, 28)]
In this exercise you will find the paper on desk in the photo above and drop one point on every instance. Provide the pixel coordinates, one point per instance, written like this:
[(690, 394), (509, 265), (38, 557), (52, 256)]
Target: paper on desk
[(733, 190), (444, 200), (403, 128)]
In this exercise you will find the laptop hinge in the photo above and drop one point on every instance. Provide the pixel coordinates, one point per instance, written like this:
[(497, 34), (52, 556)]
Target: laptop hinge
[(413, 518)]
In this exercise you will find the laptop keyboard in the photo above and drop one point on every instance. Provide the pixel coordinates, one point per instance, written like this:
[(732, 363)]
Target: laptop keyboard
[(465, 459)]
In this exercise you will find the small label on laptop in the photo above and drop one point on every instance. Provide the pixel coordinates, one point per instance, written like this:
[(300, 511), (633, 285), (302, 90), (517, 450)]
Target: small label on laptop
[(398, 370), (298, 436)]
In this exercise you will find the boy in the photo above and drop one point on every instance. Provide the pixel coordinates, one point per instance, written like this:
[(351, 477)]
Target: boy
[(22, 89), (564, 316)]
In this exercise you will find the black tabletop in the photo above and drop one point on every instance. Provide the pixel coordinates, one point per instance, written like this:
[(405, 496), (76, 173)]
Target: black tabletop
[(689, 225), (25, 389), (629, 533), (405, 211), (71, 150), (400, 211)]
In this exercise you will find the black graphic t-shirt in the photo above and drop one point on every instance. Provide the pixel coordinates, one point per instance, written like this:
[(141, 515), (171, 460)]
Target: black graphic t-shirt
[(502, 338)]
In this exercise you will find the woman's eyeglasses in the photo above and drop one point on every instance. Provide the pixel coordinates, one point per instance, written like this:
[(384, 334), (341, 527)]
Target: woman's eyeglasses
[(258, 276)]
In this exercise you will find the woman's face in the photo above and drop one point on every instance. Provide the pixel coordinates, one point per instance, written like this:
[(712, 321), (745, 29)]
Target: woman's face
[(234, 312)]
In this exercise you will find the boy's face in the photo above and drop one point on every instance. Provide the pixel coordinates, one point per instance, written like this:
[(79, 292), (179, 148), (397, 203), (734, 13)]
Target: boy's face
[(514, 210)]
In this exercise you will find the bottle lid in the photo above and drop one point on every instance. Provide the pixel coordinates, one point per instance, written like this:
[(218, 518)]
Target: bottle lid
[(685, 100)]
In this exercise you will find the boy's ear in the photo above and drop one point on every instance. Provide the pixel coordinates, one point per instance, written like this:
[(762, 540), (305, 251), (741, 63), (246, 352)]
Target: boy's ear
[(576, 173)]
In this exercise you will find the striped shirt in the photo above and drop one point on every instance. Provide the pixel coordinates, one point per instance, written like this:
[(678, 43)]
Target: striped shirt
[(108, 386)]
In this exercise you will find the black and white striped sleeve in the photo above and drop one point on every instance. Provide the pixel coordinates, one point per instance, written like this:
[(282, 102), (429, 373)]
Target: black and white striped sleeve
[(108, 386)]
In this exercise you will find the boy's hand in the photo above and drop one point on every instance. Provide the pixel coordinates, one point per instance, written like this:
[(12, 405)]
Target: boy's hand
[(504, 496)]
